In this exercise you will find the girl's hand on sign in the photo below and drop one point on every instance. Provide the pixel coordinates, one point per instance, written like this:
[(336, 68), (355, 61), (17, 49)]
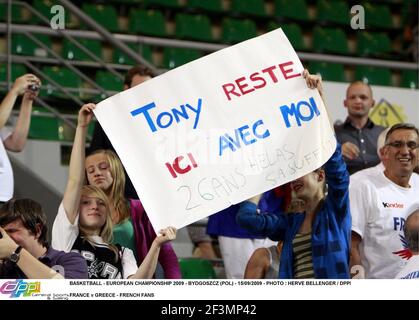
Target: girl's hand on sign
[(86, 114), (313, 81)]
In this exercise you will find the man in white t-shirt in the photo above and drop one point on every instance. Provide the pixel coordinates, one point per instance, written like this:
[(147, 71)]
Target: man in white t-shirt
[(381, 204), (15, 139), (411, 233)]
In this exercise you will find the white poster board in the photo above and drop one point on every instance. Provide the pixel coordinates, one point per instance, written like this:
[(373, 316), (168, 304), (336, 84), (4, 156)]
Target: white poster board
[(218, 130)]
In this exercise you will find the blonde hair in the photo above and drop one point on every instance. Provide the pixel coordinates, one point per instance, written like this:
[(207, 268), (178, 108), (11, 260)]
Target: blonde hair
[(106, 231), (116, 194)]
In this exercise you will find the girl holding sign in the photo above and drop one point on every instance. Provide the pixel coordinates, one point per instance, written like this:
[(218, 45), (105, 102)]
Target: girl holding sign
[(132, 228), (84, 222), (316, 241)]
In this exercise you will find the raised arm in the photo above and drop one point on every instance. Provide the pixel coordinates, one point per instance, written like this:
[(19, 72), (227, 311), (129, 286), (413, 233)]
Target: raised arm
[(31, 266), (315, 82), (149, 264), (75, 181), (17, 140), (19, 87)]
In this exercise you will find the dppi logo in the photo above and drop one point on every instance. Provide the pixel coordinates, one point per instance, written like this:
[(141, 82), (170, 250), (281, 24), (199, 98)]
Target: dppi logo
[(176, 168), (20, 287), (301, 111)]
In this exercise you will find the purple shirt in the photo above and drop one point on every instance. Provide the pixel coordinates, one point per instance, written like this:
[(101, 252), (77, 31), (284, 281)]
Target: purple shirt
[(70, 265)]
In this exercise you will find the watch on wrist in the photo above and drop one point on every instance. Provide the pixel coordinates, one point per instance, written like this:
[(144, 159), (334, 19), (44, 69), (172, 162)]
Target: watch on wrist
[(14, 257)]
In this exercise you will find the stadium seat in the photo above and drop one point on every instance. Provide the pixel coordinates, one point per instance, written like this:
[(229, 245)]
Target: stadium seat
[(147, 22), (17, 71), (72, 52), (333, 12), (409, 79), (210, 6), (18, 14), (162, 3), (330, 40), (235, 30), (328, 71), (175, 57), (193, 27), (373, 44), (195, 268), (64, 77), (373, 75), (142, 49), (293, 33), (248, 7), (109, 82), (105, 15), (42, 127), (292, 9), (378, 16), (22, 45)]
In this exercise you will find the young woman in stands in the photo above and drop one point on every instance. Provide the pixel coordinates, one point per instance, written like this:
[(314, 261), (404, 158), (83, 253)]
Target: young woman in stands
[(85, 221)]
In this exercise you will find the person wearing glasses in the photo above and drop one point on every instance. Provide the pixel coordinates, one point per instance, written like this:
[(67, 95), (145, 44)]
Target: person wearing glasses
[(380, 206)]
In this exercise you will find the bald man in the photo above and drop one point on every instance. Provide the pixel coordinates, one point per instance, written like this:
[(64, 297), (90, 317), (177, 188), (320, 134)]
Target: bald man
[(358, 134)]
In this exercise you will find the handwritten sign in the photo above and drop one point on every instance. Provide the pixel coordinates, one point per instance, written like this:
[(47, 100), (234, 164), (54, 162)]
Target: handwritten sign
[(218, 130)]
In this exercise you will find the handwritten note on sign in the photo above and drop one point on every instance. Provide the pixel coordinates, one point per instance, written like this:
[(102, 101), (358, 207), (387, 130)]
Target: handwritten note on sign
[(218, 130)]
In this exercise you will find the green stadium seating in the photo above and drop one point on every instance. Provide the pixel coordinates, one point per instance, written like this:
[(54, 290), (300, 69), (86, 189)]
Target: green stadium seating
[(292, 9), (248, 7), (147, 22), (142, 49), (44, 8), (206, 5), (162, 3), (22, 45), (17, 71), (18, 15), (373, 44), (175, 57), (378, 16), (193, 27), (330, 40), (235, 30), (63, 77), (373, 75), (328, 71), (293, 33), (105, 15), (109, 82), (333, 11), (195, 268), (72, 52), (43, 128), (409, 79)]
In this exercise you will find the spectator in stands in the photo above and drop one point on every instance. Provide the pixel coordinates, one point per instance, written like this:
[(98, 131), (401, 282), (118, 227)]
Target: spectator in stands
[(380, 204), (100, 141), (358, 134), (84, 221), (411, 233), (24, 247), (14, 140), (317, 241)]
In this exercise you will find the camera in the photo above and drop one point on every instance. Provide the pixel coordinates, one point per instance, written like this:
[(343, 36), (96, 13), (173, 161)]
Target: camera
[(33, 87)]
